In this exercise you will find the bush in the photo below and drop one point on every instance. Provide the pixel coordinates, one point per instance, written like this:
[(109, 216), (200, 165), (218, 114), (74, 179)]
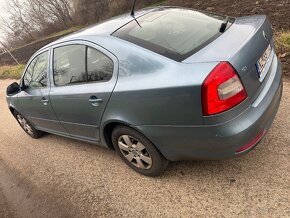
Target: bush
[(283, 41)]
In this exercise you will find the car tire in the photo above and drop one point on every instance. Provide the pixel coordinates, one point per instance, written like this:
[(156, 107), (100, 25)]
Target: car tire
[(27, 126), (138, 152)]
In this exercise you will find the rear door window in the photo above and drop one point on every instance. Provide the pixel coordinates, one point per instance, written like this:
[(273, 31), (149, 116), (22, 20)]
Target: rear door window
[(75, 64), (69, 65)]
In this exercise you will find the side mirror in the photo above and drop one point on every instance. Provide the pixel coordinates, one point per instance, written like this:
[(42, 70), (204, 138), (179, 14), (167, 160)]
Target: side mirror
[(13, 89)]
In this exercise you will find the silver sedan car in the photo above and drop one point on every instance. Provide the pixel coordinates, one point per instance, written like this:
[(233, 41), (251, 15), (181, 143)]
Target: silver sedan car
[(166, 84)]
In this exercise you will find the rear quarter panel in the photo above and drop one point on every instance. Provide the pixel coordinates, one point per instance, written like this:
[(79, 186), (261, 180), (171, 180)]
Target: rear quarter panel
[(154, 90)]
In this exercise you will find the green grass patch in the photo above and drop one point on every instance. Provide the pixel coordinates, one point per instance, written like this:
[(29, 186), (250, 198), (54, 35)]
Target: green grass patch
[(64, 32), (157, 3), (283, 41), (11, 72)]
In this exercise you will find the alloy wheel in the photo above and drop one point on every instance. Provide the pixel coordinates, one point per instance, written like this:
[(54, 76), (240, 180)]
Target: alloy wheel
[(25, 125), (135, 152)]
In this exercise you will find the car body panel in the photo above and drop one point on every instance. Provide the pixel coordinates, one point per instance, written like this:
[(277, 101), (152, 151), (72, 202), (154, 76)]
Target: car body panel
[(71, 103), (222, 140), (30, 104)]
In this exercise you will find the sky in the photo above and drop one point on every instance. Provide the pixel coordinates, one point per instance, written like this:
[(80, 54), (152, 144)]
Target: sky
[(2, 2), (2, 12)]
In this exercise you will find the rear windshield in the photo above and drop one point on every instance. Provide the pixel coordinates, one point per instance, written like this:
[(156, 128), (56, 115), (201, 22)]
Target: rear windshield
[(173, 32)]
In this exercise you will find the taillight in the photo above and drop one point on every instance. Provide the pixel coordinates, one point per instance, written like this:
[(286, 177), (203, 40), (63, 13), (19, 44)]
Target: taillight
[(222, 90)]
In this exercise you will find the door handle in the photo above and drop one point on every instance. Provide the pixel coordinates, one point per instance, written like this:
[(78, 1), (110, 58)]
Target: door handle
[(95, 101), (44, 101)]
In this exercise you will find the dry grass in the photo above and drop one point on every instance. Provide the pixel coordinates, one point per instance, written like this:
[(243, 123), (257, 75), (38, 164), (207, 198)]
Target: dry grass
[(283, 42), (11, 72)]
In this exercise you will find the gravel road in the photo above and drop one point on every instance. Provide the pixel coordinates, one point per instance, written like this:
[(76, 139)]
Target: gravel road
[(59, 177)]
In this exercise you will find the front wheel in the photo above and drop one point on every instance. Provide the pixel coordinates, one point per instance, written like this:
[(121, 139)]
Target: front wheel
[(27, 126), (138, 152)]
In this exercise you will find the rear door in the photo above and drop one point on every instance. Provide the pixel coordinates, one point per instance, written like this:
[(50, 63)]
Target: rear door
[(34, 97), (84, 76)]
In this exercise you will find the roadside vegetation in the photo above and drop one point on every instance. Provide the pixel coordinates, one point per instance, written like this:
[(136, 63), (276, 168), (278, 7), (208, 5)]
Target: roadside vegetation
[(283, 44), (11, 72)]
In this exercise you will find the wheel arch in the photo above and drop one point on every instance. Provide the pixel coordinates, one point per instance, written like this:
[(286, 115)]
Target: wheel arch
[(109, 127), (12, 110)]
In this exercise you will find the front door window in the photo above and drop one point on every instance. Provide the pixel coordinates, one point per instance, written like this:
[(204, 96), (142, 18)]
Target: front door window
[(36, 73)]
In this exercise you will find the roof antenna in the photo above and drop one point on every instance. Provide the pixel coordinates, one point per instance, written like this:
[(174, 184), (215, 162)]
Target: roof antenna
[(133, 14), (133, 9)]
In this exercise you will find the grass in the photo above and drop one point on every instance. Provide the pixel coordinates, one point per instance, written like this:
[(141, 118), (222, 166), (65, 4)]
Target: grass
[(64, 32), (283, 41), (157, 3), (11, 72)]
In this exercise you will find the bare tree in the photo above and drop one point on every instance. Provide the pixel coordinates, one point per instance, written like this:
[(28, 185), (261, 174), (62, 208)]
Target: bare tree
[(30, 19), (18, 18), (60, 10), (37, 14), (89, 11)]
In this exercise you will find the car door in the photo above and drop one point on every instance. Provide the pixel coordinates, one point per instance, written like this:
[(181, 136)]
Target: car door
[(34, 97), (84, 76)]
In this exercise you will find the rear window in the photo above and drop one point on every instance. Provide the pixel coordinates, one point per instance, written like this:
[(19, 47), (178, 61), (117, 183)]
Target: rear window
[(175, 33)]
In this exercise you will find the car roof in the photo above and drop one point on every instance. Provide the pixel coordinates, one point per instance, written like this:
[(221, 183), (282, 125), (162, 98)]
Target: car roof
[(105, 28)]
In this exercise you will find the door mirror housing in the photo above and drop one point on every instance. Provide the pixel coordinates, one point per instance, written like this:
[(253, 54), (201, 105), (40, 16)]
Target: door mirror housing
[(13, 89)]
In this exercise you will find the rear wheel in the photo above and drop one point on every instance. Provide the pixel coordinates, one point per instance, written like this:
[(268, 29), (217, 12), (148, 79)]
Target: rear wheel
[(138, 152), (27, 126)]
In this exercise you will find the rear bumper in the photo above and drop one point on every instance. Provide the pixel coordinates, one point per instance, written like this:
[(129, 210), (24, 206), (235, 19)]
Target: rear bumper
[(223, 140)]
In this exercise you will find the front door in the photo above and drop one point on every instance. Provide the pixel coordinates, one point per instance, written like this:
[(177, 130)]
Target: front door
[(84, 78), (34, 97)]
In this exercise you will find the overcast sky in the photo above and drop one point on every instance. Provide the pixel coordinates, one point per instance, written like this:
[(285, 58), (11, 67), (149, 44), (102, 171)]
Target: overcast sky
[(2, 3), (2, 11)]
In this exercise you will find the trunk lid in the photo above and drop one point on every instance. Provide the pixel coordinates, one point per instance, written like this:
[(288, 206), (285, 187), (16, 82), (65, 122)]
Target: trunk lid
[(242, 45)]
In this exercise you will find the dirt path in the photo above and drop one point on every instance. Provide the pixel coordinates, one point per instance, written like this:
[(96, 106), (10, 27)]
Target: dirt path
[(59, 177)]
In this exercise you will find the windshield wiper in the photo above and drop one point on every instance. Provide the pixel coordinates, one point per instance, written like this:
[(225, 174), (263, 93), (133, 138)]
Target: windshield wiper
[(224, 24)]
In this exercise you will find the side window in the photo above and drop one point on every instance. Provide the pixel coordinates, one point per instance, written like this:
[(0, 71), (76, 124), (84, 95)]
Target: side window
[(100, 67), (36, 73), (69, 65)]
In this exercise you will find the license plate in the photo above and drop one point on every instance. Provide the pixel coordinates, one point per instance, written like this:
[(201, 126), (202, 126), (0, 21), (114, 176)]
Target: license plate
[(263, 61)]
